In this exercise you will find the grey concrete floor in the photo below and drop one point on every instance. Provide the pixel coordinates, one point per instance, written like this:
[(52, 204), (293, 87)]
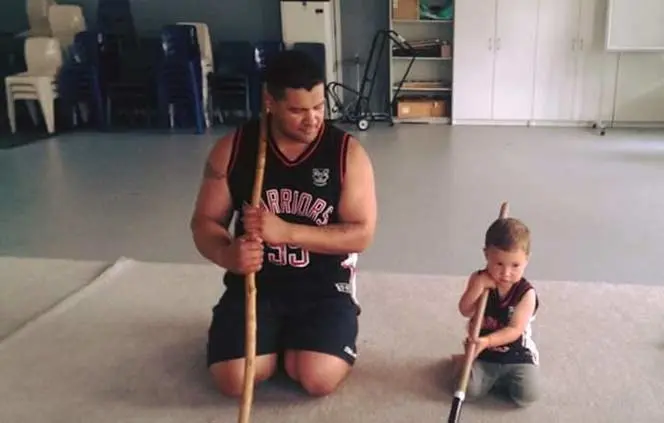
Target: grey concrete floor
[(594, 203)]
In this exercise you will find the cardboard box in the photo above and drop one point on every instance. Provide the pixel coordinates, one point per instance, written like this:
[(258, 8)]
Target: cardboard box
[(421, 108), (405, 9)]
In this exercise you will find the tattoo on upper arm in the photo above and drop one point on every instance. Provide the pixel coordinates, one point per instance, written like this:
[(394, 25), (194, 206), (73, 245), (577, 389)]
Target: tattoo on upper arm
[(211, 173)]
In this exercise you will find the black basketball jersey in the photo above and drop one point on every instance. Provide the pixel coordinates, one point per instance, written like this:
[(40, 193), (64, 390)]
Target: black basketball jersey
[(497, 315), (303, 191)]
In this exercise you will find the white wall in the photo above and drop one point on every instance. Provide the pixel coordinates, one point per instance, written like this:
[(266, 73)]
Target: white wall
[(640, 88), (544, 62)]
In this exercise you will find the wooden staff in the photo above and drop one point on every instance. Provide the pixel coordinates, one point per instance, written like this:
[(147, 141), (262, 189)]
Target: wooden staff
[(250, 282), (460, 394)]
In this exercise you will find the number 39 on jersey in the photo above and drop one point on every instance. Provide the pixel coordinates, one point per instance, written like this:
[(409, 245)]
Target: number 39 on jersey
[(287, 255)]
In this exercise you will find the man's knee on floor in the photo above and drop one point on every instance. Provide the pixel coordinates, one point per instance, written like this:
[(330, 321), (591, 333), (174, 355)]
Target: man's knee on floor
[(319, 384), (229, 376), (318, 374), (229, 386), (315, 382)]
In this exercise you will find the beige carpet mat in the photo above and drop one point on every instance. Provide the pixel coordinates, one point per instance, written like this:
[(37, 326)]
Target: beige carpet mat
[(129, 347), (28, 287)]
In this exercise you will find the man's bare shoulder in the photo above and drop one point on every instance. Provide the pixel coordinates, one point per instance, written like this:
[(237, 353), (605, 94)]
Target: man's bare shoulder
[(216, 165), (356, 154)]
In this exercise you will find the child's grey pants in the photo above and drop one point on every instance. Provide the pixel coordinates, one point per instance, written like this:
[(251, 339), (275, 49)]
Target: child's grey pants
[(519, 381)]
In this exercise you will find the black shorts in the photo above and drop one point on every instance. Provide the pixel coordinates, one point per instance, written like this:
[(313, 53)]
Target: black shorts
[(327, 325)]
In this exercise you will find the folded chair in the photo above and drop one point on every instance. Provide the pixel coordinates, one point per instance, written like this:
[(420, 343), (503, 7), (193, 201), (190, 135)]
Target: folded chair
[(207, 64), (37, 12), (43, 57), (179, 82), (66, 21)]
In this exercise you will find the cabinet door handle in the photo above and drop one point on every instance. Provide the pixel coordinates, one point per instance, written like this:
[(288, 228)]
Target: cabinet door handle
[(581, 44), (573, 44), (498, 44), (490, 43)]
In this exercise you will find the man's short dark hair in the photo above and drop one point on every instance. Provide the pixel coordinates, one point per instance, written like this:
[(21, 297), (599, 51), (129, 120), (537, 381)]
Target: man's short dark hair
[(292, 69)]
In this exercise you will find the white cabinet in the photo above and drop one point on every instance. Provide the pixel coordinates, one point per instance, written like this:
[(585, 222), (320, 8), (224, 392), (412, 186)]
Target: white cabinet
[(494, 60), (596, 68), (555, 61), (516, 33), (545, 62), (573, 74), (474, 32)]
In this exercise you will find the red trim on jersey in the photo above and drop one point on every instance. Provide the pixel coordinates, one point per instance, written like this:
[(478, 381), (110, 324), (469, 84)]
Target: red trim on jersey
[(342, 157), (303, 156), (234, 150)]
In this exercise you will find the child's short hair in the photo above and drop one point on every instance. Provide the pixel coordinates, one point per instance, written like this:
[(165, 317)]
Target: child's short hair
[(508, 234)]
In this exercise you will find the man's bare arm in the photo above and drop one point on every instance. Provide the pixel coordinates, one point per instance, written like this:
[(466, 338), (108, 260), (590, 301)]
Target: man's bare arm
[(357, 211), (213, 209)]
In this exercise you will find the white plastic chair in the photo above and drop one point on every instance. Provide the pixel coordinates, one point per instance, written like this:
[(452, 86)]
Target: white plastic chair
[(37, 11), (207, 62), (43, 56), (66, 21)]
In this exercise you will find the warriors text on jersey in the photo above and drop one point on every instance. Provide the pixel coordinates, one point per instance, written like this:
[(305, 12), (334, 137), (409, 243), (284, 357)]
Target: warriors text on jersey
[(497, 315), (304, 191)]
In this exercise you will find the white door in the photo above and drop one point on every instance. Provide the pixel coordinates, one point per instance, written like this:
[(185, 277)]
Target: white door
[(474, 22), (311, 22), (596, 69), (556, 60), (514, 69)]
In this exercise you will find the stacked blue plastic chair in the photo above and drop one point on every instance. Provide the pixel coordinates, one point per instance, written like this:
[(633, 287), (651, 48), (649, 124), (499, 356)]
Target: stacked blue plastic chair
[(83, 76), (179, 85), (263, 51), (234, 61), (114, 18), (132, 89)]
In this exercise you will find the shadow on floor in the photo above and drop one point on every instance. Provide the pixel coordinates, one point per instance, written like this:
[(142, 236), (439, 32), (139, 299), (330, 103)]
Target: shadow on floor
[(174, 373), (21, 139), (27, 132)]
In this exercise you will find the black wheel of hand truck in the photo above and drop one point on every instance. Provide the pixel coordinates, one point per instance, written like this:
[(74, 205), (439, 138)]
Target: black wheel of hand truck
[(363, 124), (602, 130)]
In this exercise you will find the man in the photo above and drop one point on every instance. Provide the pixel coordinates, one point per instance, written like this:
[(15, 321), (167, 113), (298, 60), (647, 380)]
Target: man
[(318, 213)]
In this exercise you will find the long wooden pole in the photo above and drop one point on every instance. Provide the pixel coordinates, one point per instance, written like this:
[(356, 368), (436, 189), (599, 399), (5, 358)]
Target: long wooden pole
[(460, 394), (250, 282)]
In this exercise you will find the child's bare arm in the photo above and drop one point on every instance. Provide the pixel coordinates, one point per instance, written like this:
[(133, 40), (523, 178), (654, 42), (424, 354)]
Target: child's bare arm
[(522, 315), (477, 283)]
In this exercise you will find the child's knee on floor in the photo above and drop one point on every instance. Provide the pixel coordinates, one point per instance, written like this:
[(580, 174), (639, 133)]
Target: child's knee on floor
[(523, 396), (476, 391), (524, 390), (481, 381)]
